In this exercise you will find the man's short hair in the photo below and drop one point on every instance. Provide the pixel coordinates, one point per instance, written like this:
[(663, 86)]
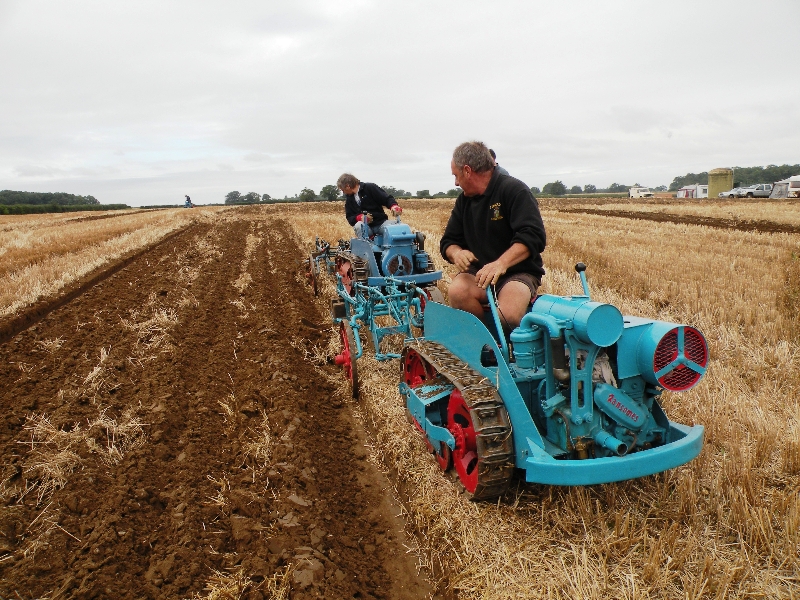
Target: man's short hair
[(474, 154), (347, 180)]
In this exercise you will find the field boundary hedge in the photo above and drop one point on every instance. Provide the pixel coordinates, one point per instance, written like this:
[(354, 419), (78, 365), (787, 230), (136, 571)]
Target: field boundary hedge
[(28, 209)]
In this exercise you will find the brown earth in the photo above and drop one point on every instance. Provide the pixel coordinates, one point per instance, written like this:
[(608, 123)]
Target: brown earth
[(738, 224), (166, 432)]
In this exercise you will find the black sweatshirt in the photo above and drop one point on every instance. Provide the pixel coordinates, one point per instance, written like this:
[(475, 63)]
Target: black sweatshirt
[(487, 225), (373, 199)]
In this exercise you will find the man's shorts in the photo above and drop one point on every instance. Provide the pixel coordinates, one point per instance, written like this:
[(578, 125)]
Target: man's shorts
[(531, 281)]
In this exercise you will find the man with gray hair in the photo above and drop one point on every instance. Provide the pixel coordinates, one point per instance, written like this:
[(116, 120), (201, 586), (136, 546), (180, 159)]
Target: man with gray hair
[(495, 236), (361, 197)]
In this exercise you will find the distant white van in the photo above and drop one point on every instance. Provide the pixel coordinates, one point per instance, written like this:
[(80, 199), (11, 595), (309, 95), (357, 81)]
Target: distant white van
[(640, 192)]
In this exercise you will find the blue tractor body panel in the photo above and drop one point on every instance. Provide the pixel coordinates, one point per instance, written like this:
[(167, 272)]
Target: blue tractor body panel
[(541, 467)]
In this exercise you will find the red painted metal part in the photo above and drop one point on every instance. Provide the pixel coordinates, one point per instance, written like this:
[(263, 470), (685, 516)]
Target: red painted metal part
[(694, 348), (465, 455), (415, 371), (347, 359)]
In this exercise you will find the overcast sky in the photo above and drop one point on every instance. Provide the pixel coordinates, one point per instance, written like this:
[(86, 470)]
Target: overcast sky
[(143, 102)]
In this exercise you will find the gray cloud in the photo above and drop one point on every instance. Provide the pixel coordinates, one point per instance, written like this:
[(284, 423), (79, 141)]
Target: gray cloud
[(143, 102)]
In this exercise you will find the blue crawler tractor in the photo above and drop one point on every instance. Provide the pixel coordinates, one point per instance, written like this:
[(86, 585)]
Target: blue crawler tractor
[(573, 401), (383, 283)]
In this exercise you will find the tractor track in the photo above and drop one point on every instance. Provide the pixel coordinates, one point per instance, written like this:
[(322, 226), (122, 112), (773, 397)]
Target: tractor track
[(739, 225), (250, 467), (489, 419)]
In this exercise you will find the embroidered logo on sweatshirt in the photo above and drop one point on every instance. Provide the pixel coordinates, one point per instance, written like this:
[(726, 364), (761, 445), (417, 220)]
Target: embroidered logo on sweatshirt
[(495, 212)]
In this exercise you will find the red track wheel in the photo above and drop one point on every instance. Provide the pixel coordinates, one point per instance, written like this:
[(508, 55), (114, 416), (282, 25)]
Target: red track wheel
[(415, 371), (347, 358), (415, 368), (444, 457), (465, 456)]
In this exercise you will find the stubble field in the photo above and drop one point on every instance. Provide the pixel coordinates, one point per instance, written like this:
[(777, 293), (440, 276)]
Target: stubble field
[(174, 430)]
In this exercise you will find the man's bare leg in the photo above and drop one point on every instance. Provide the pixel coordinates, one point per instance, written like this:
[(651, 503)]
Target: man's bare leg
[(466, 295), (513, 301)]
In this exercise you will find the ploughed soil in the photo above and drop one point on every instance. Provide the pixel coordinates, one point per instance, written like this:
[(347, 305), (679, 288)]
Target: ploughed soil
[(171, 431), (720, 223)]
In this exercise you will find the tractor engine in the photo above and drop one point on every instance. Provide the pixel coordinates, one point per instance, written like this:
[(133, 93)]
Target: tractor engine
[(399, 251), (604, 374)]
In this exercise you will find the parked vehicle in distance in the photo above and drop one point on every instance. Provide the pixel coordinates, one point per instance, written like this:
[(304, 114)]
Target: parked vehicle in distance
[(757, 190), (696, 190), (734, 193), (786, 188), (640, 192)]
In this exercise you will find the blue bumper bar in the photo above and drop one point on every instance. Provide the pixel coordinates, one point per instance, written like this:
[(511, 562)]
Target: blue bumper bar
[(540, 467)]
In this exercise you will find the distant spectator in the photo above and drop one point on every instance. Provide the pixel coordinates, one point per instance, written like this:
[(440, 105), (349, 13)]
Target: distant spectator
[(497, 167)]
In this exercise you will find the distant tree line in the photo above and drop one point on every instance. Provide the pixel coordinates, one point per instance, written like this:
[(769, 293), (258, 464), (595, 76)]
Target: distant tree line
[(9, 197), (248, 198), (558, 188), (29, 209), (328, 193), (399, 193), (742, 176)]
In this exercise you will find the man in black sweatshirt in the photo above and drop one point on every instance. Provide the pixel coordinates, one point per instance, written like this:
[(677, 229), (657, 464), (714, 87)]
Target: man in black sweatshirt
[(495, 236), (361, 197)]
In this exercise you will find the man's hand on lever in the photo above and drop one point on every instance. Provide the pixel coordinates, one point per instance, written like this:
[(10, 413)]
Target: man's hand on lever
[(490, 274)]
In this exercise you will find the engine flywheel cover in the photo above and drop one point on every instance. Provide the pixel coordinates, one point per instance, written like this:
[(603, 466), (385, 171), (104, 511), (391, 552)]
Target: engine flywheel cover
[(396, 262)]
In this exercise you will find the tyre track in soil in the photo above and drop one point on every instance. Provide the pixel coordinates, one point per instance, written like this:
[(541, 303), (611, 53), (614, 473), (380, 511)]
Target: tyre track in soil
[(195, 499)]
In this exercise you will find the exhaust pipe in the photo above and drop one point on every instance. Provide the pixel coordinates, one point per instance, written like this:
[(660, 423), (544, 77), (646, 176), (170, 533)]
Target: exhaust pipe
[(606, 440)]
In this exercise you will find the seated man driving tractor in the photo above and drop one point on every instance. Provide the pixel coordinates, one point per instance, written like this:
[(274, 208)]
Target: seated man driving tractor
[(362, 197), (495, 236)]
